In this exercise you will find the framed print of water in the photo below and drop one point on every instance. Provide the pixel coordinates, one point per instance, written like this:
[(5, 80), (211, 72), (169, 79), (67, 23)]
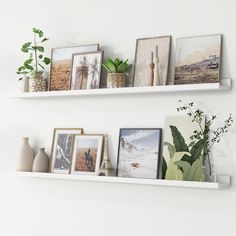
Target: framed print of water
[(61, 62), (198, 59), (61, 153), (138, 154), (87, 153), (86, 70), (147, 49)]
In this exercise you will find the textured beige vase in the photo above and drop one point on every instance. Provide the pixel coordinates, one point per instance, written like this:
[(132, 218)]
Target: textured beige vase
[(41, 161), (38, 83), (26, 156), (115, 80)]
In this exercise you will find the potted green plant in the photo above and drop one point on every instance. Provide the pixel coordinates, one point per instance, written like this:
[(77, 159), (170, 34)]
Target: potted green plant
[(116, 72), (33, 68)]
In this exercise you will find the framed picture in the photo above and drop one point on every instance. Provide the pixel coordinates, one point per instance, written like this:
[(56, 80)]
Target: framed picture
[(146, 51), (62, 146), (181, 159), (61, 62), (87, 153), (198, 59), (138, 153), (86, 70)]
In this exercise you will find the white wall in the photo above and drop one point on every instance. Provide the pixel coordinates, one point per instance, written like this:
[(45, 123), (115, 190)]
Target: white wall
[(43, 207)]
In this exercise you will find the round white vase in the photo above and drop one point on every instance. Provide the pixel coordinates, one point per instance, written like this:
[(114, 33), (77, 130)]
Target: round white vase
[(26, 156), (41, 161)]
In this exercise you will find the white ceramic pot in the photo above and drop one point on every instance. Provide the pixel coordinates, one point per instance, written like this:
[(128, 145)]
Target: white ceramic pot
[(24, 85), (26, 156), (41, 161)]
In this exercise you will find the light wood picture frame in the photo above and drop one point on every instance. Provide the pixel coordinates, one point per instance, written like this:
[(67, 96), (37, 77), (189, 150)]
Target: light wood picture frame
[(61, 152), (86, 70), (87, 154)]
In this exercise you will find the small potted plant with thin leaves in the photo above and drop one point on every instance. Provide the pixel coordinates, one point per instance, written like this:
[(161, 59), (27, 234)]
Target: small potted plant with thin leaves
[(33, 68), (117, 70)]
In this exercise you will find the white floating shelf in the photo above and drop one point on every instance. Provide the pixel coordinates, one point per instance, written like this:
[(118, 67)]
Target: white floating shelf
[(225, 84), (104, 179)]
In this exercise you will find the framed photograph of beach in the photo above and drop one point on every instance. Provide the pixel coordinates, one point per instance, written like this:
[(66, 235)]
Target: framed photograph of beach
[(61, 63), (87, 154), (61, 153), (198, 59), (139, 153)]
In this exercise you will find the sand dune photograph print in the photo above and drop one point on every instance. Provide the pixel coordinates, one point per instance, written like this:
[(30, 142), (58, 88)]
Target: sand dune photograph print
[(60, 75), (198, 60)]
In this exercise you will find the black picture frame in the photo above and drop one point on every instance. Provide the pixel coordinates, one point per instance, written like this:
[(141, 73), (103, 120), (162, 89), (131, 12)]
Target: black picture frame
[(158, 168)]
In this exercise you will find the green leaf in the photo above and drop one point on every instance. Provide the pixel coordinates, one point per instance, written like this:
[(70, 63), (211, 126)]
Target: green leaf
[(40, 56), (27, 62), (45, 39), (185, 166), (122, 68), (171, 149), (197, 150), (25, 47), (178, 140), (110, 64), (173, 172), (21, 68), (106, 67), (164, 168), (46, 60), (29, 67), (39, 48), (196, 171), (38, 31)]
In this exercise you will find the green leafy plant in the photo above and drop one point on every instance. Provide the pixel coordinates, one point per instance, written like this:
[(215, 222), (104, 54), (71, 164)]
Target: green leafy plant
[(116, 66), (206, 136), (35, 51), (187, 160)]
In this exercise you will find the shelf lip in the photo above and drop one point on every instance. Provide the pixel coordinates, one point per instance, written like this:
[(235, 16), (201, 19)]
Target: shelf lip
[(121, 180), (225, 84)]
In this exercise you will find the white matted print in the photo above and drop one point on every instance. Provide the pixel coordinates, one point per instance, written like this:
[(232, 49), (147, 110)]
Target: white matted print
[(139, 151), (198, 59), (62, 146), (86, 70), (87, 153), (146, 51)]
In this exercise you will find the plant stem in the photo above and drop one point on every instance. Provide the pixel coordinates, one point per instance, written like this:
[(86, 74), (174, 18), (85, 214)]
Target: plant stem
[(35, 54)]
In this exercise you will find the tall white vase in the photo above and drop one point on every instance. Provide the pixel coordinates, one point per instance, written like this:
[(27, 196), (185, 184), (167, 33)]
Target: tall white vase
[(41, 161), (26, 156)]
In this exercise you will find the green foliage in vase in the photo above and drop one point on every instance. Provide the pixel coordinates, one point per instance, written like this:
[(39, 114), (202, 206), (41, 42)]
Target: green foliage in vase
[(116, 66), (35, 59), (206, 137)]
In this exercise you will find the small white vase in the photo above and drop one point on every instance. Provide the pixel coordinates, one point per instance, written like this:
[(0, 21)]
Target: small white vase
[(41, 161), (26, 156), (24, 85)]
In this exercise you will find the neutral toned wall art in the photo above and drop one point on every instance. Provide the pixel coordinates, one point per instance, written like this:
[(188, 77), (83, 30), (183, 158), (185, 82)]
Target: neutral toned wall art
[(198, 59), (181, 160), (87, 153), (61, 63), (86, 70), (138, 154), (62, 146), (147, 50)]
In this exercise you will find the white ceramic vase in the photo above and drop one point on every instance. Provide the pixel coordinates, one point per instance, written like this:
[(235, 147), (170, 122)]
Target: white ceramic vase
[(41, 161), (26, 156)]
